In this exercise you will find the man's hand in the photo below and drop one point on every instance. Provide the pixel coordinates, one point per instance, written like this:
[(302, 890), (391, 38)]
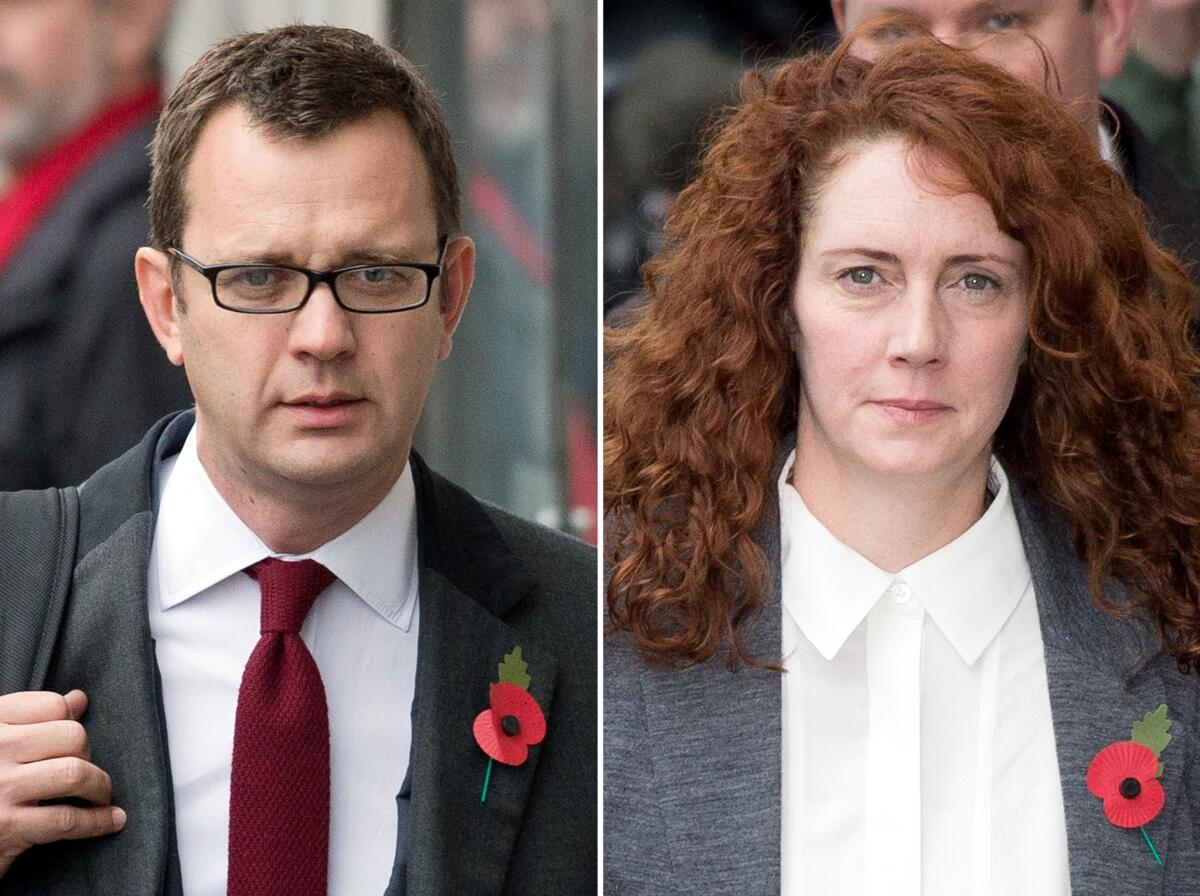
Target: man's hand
[(45, 755)]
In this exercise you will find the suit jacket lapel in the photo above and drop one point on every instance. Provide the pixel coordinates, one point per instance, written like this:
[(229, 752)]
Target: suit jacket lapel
[(469, 580), (1103, 676), (110, 647)]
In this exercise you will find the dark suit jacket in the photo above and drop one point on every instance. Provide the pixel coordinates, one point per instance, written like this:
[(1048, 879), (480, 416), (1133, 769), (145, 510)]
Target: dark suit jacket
[(1172, 204), (692, 756), (81, 375), (488, 581)]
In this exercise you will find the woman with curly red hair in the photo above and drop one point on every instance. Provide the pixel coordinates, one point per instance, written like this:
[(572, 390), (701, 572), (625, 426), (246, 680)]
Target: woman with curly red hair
[(911, 418)]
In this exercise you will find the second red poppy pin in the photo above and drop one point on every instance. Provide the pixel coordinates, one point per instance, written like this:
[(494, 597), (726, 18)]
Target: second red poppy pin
[(1125, 776)]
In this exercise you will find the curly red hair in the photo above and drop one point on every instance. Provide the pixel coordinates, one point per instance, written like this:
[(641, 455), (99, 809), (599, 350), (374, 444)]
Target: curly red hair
[(703, 386)]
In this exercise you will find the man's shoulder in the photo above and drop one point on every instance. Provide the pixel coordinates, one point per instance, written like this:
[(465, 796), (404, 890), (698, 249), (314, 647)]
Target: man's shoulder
[(1170, 201), (532, 576), (451, 512), (557, 555)]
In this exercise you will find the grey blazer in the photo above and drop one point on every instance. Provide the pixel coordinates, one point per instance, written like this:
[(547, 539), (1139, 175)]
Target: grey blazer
[(692, 756), (488, 581)]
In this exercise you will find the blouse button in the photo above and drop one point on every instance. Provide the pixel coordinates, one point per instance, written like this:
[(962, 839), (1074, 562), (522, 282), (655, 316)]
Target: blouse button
[(901, 592)]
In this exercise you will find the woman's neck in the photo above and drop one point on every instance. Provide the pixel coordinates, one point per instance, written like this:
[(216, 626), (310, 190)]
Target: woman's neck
[(893, 521)]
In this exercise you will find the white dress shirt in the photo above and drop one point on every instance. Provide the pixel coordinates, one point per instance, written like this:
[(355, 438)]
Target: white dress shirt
[(918, 746), (362, 632)]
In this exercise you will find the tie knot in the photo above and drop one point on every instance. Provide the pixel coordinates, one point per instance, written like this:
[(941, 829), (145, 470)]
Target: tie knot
[(289, 588)]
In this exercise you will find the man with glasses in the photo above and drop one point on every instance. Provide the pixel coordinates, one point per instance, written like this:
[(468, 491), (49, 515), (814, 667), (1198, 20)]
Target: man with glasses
[(303, 662)]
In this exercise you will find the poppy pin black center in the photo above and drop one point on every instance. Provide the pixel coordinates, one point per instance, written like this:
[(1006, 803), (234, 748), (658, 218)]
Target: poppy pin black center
[(512, 726), (1130, 788)]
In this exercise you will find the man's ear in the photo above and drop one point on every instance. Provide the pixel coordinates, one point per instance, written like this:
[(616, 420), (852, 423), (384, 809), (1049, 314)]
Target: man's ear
[(839, 15), (458, 273), (1112, 21), (157, 293)]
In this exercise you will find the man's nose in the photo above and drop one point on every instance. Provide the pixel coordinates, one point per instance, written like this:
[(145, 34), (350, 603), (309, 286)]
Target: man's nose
[(322, 329), (950, 34)]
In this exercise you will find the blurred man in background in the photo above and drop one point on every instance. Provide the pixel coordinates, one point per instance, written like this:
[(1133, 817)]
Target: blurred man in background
[(81, 376), (1159, 84), (1086, 40)]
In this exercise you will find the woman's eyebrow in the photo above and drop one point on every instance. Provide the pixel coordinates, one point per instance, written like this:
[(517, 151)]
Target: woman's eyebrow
[(875, 254)]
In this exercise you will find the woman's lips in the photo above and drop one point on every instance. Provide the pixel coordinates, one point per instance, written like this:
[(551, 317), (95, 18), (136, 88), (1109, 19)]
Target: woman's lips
[(912, 411)]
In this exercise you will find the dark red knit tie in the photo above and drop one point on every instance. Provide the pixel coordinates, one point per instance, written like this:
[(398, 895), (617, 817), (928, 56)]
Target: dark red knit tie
[(279, 788)]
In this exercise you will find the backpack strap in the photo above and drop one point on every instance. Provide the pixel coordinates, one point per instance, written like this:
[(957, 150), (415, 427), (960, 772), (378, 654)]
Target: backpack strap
[(38, 535)]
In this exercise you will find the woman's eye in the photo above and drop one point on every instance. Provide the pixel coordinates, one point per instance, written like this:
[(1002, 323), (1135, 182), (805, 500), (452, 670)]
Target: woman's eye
[(861, 276), (979, 282)]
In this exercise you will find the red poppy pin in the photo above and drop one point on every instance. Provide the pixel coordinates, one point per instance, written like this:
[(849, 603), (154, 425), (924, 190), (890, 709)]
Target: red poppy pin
[(513, 723), (1125, 775)]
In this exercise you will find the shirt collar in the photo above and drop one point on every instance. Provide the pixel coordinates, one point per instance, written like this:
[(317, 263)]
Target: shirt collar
[(969, 588), (1108, 147), (199, 541)]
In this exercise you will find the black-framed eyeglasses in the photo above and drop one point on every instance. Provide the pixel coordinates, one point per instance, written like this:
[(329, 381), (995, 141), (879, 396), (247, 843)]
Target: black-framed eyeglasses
[(279, 288)]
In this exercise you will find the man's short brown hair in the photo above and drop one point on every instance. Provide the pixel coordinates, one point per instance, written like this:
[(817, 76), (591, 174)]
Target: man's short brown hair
[(299, 81)]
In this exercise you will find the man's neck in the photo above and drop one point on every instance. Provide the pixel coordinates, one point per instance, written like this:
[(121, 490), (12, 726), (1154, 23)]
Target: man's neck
[(289, 520)]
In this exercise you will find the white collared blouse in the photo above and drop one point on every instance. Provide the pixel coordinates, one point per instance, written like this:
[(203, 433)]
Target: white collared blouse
[(918, 745)]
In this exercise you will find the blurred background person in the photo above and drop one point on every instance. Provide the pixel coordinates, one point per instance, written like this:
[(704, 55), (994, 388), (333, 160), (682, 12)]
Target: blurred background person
[(1158, 84), (80, 374), (1086, 41), (669, 67)]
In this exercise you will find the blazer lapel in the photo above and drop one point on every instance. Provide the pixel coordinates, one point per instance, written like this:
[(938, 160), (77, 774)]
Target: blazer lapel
[(105, 642), (1104, 675), (107, 645), (468, 581)]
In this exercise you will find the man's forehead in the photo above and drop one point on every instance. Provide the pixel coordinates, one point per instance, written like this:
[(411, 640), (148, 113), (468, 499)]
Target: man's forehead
[(236, 140), (856, 9), (366, 177)]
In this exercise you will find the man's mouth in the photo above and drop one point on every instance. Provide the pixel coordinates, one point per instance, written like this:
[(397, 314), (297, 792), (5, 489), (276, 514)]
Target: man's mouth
[(324, 410)]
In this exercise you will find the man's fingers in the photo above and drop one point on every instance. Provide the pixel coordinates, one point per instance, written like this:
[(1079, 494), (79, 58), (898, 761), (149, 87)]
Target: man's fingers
[(56, 779), (43, 740), (77, 703), (45, 824), (25, 707)]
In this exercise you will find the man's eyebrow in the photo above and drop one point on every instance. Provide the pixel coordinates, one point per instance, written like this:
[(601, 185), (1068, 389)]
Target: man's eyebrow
[(394, 254), (965, 11), (985, 7)]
